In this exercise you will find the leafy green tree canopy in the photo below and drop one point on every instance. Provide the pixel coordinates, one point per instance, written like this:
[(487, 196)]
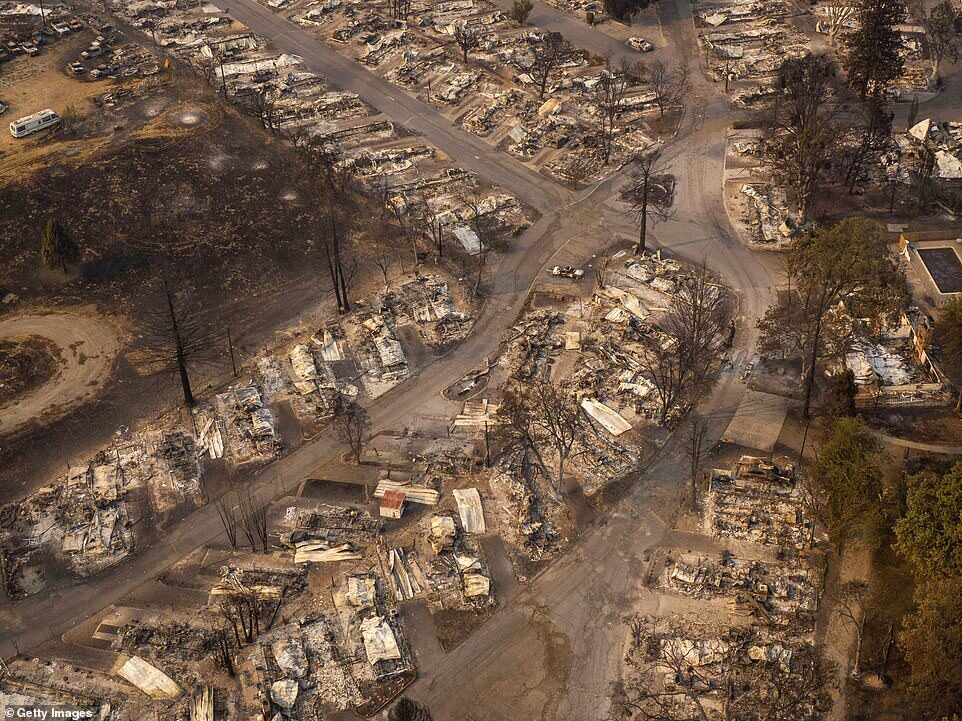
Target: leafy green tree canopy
[(930, 533)]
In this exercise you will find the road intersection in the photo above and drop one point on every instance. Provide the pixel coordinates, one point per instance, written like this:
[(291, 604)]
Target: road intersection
[(552, 650)]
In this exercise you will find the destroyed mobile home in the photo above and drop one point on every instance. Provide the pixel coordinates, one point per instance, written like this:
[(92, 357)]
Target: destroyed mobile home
[(297, 104), (85, 521), (683, 670), (548, 118), (767, 576), (745, 42)]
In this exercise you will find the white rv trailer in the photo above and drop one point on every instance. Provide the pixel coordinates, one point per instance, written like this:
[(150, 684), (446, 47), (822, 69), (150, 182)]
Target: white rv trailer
[(34, 123)]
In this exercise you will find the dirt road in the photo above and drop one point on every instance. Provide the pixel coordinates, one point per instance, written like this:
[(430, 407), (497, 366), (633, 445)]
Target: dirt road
[(88, 346)]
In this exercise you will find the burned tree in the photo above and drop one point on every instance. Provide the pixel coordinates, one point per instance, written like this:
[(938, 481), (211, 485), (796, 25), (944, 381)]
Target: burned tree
[(874, 58), (668, 85), (262, 106), (698, 321), (227, 513), (400, 9), (253, 516), (422, 223), (335, 182), (467, 37), (805, 132), (548, 53), (839, 14), (393, 207), (852, 607), (849, 262), (679, 358), (224, 653), (351, 425), (609, 95), (177, 340), (241, 610), (544, 418), (943, 32), (875, 140), (695, 448), (664, 367), (485, 226), (649, 193)]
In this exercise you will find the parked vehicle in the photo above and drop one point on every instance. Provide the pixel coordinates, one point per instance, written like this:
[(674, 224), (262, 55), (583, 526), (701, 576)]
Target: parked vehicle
[(640, 44), (30, 49), (566, 271), (34, 123), (4, 108), (94, 51), (61, 28), (77, 68)]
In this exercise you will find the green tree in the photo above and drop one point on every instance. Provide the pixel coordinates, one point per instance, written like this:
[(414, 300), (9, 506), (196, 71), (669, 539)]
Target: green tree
[(930, 537), (849, 262), (930, 532), (58, 250), (874, 57), (520, 10), (948, 336), (932, 641), (846, 483)]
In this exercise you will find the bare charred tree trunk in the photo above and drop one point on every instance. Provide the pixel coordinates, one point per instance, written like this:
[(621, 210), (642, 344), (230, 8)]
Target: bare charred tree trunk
[(228, 518), (642, 203), (609, 96), (874, 141), (548, 54), (642, 245), (225, 657), (254, 519), (322, 172), (177, 340), (694, 444), (669, 86), (179, 351), (852, 608), (351, 425), (467, 39)]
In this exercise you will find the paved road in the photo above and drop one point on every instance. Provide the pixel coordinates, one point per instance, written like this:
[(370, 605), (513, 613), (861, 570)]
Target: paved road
[(578, 33), (942, 448), (554, 649), (552, 652), (468, 150)]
